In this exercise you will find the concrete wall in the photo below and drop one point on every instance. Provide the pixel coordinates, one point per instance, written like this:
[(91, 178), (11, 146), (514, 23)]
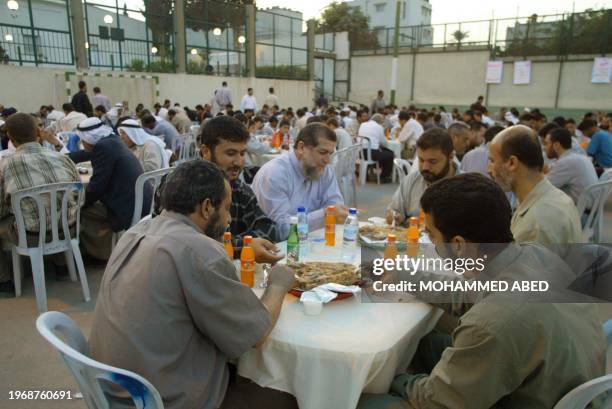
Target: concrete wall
[(457, 78), (27, 88)]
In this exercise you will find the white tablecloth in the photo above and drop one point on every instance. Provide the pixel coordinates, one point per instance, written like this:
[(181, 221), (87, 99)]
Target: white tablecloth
[(396, 147), (326, 361)]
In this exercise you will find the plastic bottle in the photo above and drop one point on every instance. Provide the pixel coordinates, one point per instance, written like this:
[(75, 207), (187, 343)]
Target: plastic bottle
[(422, 220), (390, 247), (330, 226), (412, 238), (227, 244), (247, 262), (303, 230), (349, 236), (293, 241)]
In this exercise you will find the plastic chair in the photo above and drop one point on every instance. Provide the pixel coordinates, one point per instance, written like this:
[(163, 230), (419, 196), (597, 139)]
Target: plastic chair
[(581, 396), (343, 162), (63, 243), (366, 162), (90, 373), (593, 200), (402, 168), (154, 178), (187, 148)]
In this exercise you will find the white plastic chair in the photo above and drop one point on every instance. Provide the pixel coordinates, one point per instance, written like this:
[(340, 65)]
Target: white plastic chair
[(343, 162), (63, 243), (581, 396), (594, 197), (366, 162), (402, 168), (154, 178), (88, 372), (187, 148)]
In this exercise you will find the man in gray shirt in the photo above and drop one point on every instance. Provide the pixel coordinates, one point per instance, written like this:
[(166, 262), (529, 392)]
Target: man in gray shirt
[(161, 128), (223, 96), (378, 103), (571, 172), (100, 99), (171, 307)]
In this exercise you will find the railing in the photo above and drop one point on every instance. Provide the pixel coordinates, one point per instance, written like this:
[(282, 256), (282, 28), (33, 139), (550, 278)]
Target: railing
[(35, 46)]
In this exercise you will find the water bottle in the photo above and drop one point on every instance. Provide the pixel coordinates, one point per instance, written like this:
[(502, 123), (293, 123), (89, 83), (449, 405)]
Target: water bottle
[(349, 237), (302, 228)]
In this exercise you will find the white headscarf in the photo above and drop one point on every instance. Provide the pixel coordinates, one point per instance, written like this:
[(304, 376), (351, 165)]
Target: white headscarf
[(138, 135), (91, 130)]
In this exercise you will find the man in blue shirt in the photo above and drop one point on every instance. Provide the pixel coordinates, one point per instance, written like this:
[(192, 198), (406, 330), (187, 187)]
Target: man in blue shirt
[(161, 128), (600, 146)]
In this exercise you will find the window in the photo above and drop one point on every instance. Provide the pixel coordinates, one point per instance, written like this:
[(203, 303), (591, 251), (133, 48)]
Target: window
[(380, 7), (404, 12), (28, 45)]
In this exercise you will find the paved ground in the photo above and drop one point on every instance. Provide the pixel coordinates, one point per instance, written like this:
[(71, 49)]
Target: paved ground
[(27, 362)]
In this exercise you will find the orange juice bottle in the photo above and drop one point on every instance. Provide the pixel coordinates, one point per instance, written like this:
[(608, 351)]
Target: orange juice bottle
[(227, 244), (390, 247), (388, 133), (276, 140), (422, 220), (330, 227), (412, 239), (247, 262)]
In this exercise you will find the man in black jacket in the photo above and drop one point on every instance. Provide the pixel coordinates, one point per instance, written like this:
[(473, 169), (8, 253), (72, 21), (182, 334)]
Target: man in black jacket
[(80, 100), (110, 194)]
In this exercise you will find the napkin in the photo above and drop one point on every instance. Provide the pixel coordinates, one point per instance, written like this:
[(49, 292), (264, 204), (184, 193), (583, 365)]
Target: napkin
[(327, 292)]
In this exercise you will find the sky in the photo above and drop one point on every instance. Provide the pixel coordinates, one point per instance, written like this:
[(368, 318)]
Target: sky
[(448, 11)]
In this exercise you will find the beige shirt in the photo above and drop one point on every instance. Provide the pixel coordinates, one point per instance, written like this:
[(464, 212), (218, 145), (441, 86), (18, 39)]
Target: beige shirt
[(150, 155), (181, 122), (546, 215), (171, 308), (513, 354)]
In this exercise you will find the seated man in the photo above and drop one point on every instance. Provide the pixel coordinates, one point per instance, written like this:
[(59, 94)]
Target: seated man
[(301, 178), (174, 269), (459, 133), (161, 128), (344, 139), (571, 172), (109, 197), (375, 133), (69, 122), (508, 350), (435, 154), (544, 214), (180, 120), (149, 149), (477, 160), (224, 142), (410, 131), (600, 146), (30, 165)]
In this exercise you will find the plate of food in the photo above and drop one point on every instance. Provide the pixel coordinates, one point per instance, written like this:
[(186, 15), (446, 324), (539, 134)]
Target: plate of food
[(375, 236), (314, 273)]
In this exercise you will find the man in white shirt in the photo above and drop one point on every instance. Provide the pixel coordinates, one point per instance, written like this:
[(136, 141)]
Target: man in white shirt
[(411, 131), (160, 111), (100, 99), (248, 101), (70, 121), (344, 139), (571, 172), (271, 99), (375, 133), (223, 96)]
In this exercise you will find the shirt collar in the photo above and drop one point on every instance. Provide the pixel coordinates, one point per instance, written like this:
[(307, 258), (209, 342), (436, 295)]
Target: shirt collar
[(181, 218), (29, 147), (297, 166), (503, 260), (536, 193)]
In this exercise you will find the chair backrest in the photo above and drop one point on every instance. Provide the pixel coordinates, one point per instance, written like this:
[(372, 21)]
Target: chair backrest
[(44, 201), (188, 149), (593, 199), (581, 396), (402, 167), (89, 373), (607, 175), (153, 178), (367, 145), (344, 161)]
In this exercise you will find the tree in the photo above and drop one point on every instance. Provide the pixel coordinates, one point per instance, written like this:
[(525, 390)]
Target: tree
[(459, 36), (339, 17)]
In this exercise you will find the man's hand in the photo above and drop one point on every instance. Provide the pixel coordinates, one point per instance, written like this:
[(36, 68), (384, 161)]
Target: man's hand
[(341, 213), (391, 214), (282, 276), (49, 137), (265, 251)]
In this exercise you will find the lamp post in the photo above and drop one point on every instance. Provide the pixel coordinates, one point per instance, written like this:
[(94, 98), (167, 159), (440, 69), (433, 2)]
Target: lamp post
[(395, 52)]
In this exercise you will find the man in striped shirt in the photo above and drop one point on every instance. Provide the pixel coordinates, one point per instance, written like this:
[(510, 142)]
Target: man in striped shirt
[(31, 165)]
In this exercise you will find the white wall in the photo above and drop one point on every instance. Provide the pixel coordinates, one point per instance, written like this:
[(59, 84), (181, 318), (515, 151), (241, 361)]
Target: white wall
[(26, 88)]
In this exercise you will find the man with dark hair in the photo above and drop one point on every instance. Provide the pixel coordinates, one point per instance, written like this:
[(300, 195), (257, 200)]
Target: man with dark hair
[(411, 131), (271, 99), (478, 105), (477, 131), (162, 129), (100, 113), (100, 99), (600, 146), (477, 160), (179, 120), (249, 101), (173, 267), (344, 139), (544, 214), (378, 104), (29, 166), (372, 137), (509, 348), (223, 96), (301, 178), (435, 154), (571, 172), (80, 100), (70, 120)]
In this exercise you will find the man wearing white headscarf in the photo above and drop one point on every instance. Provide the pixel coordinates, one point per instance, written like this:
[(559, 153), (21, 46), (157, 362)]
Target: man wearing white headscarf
[(109, 196), (149, 149)]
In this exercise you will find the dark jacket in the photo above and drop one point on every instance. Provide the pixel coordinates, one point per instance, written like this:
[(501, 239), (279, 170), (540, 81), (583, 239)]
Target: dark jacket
[(80, 102), (115, 170)]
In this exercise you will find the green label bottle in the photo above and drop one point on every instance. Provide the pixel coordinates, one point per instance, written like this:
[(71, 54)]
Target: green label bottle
[(293, 242)]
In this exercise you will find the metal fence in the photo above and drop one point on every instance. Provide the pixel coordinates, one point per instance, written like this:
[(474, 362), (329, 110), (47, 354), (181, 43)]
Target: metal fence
[(34, 34), (589, 32), (280, 46)]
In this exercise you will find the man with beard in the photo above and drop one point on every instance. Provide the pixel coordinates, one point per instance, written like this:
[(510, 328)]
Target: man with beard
[(171, 275), (301, 178), (509, 350), (435, 155), (544, 214)]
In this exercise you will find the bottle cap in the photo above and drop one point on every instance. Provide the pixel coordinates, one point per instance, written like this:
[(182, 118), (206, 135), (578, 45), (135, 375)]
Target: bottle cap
[(293, 220), (301, 209), (414, 222), (247, 240), (331, 208), (352, 210), (391, 238), (227, 235)]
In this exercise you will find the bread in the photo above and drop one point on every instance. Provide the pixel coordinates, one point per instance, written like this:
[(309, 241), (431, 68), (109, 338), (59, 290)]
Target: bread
[(313, 274)]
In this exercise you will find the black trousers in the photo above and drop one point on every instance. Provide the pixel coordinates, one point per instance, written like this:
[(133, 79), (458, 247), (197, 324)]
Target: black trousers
[(385, 158)]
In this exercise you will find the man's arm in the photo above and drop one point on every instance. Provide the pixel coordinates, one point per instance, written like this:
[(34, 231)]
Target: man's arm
[(269, 187), (103, 163)]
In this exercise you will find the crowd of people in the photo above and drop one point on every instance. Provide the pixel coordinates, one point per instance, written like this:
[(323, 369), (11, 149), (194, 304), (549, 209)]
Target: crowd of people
[(511, 178)]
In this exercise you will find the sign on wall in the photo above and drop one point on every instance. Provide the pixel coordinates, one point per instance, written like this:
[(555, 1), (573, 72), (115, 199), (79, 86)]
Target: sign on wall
[(495, 70), (602, 70), (522, 72)]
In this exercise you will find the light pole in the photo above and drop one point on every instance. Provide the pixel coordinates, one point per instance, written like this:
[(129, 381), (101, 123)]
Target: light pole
[(395, 51)]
